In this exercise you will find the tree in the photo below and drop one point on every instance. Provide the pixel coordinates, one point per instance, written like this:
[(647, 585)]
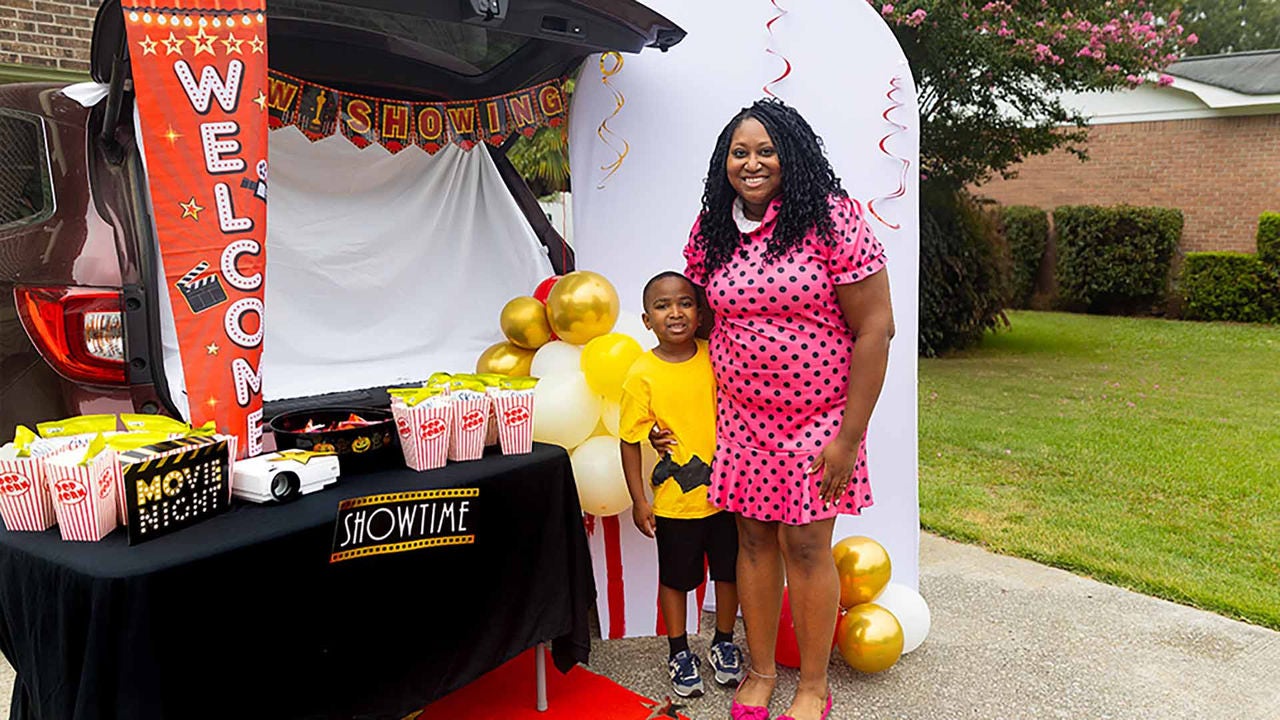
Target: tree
[(1225, 26), (990, 74)]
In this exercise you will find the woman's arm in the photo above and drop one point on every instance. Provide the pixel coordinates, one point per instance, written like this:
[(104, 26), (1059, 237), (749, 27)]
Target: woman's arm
[(706, 316), (869, 314)]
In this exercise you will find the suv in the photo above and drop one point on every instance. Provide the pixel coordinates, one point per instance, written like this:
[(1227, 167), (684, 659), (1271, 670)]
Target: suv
[(80, 325)]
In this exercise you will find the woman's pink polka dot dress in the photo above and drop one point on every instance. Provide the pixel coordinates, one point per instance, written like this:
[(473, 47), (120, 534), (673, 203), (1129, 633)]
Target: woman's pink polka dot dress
[(781, 351)]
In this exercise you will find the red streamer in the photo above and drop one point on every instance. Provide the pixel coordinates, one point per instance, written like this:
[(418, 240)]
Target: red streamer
[(894, 104), (787, 70)]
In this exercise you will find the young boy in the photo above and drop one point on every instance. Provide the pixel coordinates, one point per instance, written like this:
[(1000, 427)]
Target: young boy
[(673, 387)]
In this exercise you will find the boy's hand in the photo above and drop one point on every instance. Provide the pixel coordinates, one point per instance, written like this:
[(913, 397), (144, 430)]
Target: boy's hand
[(642, 514), (661, 440)]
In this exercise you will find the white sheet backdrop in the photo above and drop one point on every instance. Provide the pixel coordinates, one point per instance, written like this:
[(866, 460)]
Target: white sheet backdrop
[(843, 58), (382, 268)]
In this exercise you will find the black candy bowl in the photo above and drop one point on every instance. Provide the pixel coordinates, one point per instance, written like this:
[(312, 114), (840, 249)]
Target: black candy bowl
[(362, 449)]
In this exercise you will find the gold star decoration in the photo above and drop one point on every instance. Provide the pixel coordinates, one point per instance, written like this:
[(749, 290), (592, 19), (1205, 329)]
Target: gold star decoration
[(172, 135), (212, 348), (203, 42), (212, 402), (233, 44), (148, 45), (191, 209), (261, 101), (300, 456), (257, 44), (172, 45)]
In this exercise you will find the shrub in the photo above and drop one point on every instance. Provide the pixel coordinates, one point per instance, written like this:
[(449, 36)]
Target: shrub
[(1269, 239), (962, 271), (1026, 231), (1115, 259), (1229, 286)]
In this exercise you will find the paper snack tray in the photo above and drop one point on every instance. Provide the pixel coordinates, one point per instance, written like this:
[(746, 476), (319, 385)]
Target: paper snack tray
[(283, 476)]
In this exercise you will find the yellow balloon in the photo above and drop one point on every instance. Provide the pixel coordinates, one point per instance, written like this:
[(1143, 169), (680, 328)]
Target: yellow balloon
[(505, 359), (864, 568), (582, 305), (870, 638), (605, 361), (524, 322)]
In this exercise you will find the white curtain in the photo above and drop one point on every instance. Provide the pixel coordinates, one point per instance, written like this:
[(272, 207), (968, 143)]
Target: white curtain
[(383, 268)]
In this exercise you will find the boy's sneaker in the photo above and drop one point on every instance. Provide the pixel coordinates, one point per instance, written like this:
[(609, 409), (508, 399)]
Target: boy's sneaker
[(685, 679), (726, 659)]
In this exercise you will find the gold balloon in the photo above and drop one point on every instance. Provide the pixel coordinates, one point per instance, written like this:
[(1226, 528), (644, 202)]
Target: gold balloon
[(505, 359), (582, 305), (524, 322), (864, 568), (870, 638)]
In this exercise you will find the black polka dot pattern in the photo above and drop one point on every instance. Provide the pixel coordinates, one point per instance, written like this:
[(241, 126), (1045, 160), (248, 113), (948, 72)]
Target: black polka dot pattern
[(781, 351)]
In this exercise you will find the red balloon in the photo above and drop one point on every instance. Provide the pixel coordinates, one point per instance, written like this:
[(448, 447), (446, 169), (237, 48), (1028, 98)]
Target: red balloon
[(541, 292), (787, 650)]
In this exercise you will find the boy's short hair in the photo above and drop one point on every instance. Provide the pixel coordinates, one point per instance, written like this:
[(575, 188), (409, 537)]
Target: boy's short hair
[(644, 296)]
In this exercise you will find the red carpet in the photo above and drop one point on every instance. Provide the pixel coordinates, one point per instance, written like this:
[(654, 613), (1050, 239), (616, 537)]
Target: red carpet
[(510, 693)]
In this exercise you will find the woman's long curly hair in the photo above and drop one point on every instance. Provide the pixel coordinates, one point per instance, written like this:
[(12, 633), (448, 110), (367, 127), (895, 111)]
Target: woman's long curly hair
[(807, 182)]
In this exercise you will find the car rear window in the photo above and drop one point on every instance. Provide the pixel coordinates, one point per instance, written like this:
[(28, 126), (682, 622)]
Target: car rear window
[(26, 195), (477, 49)]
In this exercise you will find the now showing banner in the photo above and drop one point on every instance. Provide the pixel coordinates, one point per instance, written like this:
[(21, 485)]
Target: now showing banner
[(200, 75), (320, 112)]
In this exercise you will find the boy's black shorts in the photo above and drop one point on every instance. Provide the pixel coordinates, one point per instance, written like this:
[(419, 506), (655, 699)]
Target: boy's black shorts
[(683, 546)]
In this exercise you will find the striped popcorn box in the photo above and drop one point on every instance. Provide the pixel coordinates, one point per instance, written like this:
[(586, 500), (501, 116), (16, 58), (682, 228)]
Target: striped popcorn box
[(470, 418), (24, 495), (514, 410), (491, 427), (424, 430), (84, 496)]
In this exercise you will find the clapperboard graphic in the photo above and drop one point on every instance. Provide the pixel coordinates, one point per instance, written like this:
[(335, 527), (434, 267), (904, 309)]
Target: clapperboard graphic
[(174, 484), (201, 293)]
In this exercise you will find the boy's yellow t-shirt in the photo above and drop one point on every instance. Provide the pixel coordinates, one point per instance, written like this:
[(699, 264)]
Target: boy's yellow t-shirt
[(680, 397)]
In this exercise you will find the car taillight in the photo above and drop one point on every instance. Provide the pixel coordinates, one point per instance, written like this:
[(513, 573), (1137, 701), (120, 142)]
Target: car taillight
[(79, 331)]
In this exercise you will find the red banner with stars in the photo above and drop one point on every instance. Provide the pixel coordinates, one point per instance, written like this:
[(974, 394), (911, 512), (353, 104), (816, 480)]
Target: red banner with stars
[(200, 76)]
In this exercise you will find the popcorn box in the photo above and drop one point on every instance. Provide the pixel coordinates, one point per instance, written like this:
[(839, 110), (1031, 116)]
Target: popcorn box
[(84, 496), (491, 427), (514, 412), (25, 504), (424, 430), (470, 419)]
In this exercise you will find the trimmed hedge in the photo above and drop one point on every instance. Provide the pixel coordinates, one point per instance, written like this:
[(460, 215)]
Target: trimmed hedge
[(1230, 286), (1269, 239), (962, 271), (1115, 259), (1026, 230)]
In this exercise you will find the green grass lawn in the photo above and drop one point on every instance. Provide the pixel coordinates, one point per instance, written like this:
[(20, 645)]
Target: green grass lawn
[(1144, 453)]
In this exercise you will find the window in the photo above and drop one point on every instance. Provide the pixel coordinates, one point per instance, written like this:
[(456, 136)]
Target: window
[(473, 50), (26, 194)]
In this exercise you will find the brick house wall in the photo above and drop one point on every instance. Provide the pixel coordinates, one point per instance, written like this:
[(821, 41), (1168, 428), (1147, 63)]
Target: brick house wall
[(1221, 172), (53, 34)]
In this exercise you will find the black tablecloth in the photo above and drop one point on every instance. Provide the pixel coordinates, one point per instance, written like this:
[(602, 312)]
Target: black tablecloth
[(242, 615)]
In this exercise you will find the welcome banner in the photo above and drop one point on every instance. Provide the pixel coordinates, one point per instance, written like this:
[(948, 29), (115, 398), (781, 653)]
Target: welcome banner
[(320, 112), (200, 75)]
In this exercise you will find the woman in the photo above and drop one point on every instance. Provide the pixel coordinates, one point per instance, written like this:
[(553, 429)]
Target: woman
[(802, 323)]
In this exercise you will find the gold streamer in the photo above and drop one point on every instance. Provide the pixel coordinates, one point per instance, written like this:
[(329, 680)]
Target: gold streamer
[(606, 72)]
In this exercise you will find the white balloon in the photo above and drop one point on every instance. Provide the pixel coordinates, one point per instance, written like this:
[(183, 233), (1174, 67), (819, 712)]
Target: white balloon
[(912, 613), (631, 325), (565, 410), (555, 358), (597, 469), (611, 416)]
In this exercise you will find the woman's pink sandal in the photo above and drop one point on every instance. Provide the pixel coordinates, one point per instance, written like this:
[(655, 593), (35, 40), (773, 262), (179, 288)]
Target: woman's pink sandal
[(738, 711), (826, 711)]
